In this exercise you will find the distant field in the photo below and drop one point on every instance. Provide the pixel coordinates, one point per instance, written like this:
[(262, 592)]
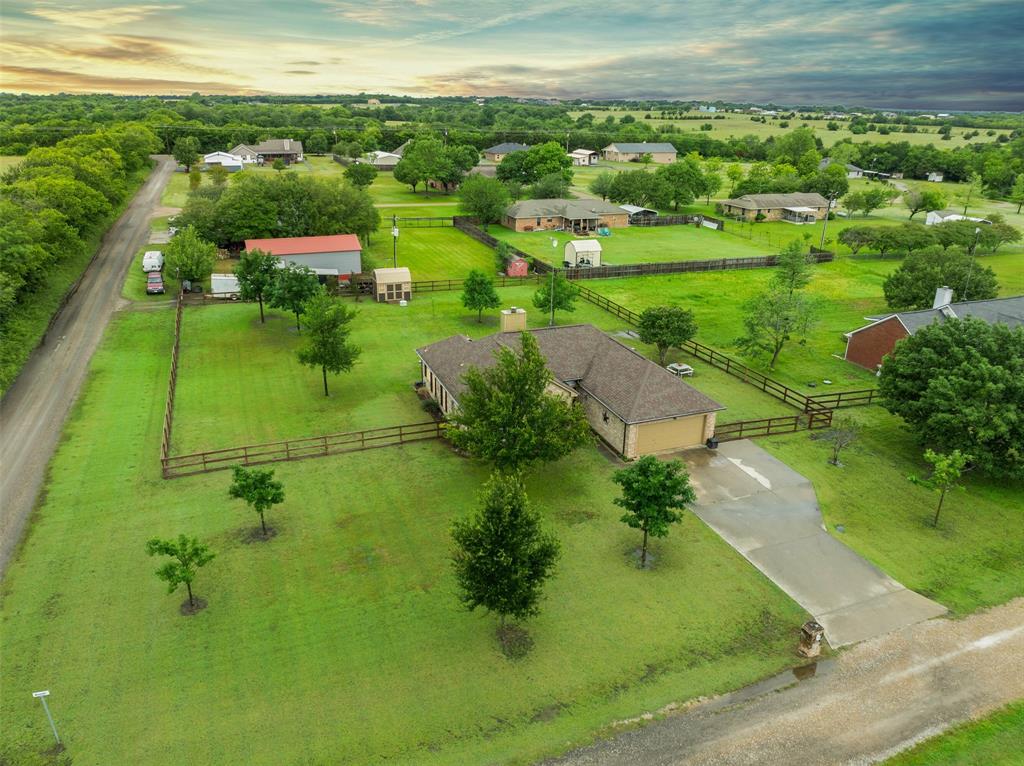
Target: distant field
[(739, 125), (9, 161)]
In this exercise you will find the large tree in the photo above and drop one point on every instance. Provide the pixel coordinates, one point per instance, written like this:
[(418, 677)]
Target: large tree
[(484, 199), (639, 187), (923, 200), (556, 293), (507, 416), (1017, 192), (550, 186), (912, 286), (189, 257), (866, 201), (653, 493), (959, 384), (478, 293), (361, 174), (292, 288), (502, 555), (530, 165), (327, 344), (684, 179), (186, 151), (772, 319), (188, 557), (602, 184), (666, 327), (258, 488), (255, 273)]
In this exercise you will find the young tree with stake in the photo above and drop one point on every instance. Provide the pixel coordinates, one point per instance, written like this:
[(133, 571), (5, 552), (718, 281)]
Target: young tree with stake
[(653, 491), (946, 472), (258, 489), (189, 556), (327, 343), (478, 293), (556, 294), (255, 273), (843, 432), (666, 327)]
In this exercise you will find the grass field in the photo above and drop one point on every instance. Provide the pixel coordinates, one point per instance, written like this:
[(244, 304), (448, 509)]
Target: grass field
[(9, 161), (430, 253), (992, 741), (640, 245), (341, 640), (176, 192)]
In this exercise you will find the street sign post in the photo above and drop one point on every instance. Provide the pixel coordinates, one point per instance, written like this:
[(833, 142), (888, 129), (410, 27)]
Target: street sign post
[(42, 698)]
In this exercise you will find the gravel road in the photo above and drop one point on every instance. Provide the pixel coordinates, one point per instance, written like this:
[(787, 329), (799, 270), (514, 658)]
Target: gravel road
[(33, 410), (870, 702)]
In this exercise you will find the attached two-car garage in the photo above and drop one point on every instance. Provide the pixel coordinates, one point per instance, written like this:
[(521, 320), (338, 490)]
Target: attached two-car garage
[(677, 433)]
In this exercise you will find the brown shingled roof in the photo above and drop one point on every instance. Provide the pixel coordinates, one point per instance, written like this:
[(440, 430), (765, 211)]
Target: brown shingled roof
[(627, 383)]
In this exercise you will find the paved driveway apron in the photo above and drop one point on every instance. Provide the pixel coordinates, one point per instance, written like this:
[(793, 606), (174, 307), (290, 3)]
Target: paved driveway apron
[(769, 513)]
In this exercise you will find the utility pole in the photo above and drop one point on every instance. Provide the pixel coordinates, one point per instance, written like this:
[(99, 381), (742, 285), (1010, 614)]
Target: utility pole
[(551, 323), (824, 224), (970, 269), (394, 240), (42, 698)]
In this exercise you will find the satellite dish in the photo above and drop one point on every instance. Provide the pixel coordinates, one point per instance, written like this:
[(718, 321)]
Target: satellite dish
[(554, 242)]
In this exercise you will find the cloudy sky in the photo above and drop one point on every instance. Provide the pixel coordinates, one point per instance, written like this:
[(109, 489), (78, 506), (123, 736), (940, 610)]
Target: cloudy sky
[(931, 54)]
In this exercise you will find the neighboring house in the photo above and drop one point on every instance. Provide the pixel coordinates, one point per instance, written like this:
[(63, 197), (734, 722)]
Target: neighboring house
[(794, 208), (852, 171), (230, 162), (400, 151), (706, 108), (337, 255), (639, 215), (500, 151), (868, 345), (660, 153), (935, 176), (373, 102), (941, 216), (577, 215), (382, 160), (582, 252), (272, 149), (633, 404), (584, 157)]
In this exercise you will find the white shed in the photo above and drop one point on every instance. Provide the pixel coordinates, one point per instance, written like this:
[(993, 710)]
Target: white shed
[(582, 252), (230, 162)]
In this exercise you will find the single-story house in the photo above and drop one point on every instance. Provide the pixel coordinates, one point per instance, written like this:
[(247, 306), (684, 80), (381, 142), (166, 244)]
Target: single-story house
[(498, 152), (583, 157), (230, 162), (400, 151), (639, 215), (798, 207), (663, 154), (578, 215), (272, 149), (338, 255), (392, 285), (852, 171), (941, 216), (868, 345), (582, 252), (633, 404), (935, 176)]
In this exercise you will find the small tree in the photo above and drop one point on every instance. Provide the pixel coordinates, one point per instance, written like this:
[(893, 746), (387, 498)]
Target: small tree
[(550, 186), (972, 189), (502, 556), (219, 175), (255, 273), (652, 492), (279, 164), (195, 178), (602, 184), (258, 488), (946, 472), (502, 255), (1017, 192), (565, 295), (666, 327), (843, 432), (189, 556), (327, 338), (772, 319), (291, 288), (186, 151), (484, 199), (189, 257), (478, 293), (735, 174), (917, 201), (793, 271), (361, 175)]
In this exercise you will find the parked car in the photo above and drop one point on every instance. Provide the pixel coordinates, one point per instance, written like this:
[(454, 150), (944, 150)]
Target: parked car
[(152, 260), (680, 370), (154, 283)]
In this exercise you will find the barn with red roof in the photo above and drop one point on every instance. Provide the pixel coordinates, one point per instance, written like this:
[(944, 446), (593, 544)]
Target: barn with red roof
[(337, 255)]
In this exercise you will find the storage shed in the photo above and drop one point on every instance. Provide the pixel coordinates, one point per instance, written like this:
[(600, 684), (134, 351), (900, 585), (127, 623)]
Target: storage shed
[(517, 267), (392, 285), (582, 252)]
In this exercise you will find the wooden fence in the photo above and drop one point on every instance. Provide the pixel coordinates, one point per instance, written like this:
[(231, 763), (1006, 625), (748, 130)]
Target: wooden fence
[(172, 383), (425, 222), (679, 267), (745, 429), (442, 285), (297, 449), (679, 220), (837, 399)]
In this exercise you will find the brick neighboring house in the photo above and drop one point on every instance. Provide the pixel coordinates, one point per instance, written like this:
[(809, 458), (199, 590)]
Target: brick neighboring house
[(867, 346), (578, 215), (498, 152), (634, 405), (267, 151), (794, 208), (338, 255), (662, 154)]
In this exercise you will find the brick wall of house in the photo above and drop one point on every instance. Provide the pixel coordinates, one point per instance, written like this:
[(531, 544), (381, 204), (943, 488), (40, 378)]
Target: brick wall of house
[(867, 347)]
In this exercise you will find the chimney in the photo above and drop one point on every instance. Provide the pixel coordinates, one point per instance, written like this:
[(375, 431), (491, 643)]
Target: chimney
[(943, 297), (287, 144), (513, 319)]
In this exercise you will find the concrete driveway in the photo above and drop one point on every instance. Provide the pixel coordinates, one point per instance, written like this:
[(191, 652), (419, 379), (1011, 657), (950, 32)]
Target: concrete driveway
[(769, 513)]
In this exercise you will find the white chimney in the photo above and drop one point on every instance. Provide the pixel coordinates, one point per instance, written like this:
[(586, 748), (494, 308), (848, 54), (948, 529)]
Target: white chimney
[(943, 297), (287, 144)]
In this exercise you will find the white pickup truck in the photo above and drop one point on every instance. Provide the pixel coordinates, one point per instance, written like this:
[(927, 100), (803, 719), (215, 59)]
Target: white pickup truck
[(225, 286), (152, 260)]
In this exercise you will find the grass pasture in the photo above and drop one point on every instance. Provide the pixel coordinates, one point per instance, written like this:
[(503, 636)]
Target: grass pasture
[(441, 252), (994, 741), (351, 605)]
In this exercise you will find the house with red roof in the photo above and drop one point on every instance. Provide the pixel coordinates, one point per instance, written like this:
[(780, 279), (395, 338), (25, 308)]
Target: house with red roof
[(338, 255)]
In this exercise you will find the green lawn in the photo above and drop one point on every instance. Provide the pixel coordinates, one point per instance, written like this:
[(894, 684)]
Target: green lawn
[(176, 192), (9, 161), (341, 640), (387, 191), (992, 741), (430, 253), (640, 244), (971, 560)]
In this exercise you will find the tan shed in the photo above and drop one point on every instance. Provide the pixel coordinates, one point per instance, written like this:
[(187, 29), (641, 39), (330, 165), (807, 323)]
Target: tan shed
[(392, 285)]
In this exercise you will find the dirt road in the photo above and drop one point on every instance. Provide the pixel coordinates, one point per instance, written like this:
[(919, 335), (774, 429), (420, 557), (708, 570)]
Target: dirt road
[(872, 701), (32, 412)]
